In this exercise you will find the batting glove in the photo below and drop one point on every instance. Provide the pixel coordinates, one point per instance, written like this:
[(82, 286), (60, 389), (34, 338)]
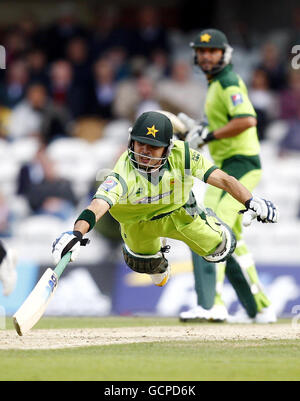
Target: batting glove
[(69, 241), (198, 134), (265, 210)]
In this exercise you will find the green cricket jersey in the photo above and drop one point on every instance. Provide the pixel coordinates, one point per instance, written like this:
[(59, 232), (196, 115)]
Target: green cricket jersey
[(135, 196), (227, 98)]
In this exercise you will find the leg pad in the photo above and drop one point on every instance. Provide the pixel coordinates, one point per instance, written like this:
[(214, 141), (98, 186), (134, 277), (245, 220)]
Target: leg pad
[(151, 264), (228, 245)]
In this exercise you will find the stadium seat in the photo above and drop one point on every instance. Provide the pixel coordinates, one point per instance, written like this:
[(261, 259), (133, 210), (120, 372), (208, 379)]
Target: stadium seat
[(105, 153), (69, 149), (117, 131), (40, 228), (276, 130), (8, 175), (24, 150)]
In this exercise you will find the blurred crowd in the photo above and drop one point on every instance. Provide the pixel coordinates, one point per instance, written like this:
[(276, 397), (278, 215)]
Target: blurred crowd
[(67, 80)]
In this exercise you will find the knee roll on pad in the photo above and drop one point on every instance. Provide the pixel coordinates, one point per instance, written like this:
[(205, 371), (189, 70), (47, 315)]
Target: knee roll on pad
[(228, 245), (151, 264)]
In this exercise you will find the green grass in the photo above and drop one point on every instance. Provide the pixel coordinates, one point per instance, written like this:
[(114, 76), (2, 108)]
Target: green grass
[(154, 361), (94, 322), (171, 361)]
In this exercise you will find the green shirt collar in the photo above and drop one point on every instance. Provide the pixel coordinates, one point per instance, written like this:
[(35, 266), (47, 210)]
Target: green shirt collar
[(221, 74)]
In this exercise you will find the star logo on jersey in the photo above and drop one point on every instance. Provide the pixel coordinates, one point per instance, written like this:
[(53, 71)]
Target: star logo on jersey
[(205, 38), (152, 131), (139, 191)]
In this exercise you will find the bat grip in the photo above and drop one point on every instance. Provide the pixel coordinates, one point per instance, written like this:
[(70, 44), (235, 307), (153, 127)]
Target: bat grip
[(63, 264)]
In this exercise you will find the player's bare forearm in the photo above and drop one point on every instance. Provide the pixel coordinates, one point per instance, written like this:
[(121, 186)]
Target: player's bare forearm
[(99, 207), (235, 127), (220, 179)]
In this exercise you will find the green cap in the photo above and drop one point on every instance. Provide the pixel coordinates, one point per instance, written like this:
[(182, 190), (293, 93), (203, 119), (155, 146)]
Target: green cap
[(211, 38), (153, 128)]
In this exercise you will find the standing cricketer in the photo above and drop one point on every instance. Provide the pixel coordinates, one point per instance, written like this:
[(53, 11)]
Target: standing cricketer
[(149, 193), (233, 143)]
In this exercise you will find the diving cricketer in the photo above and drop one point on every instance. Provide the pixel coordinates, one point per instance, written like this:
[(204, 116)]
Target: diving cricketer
[(231, 135), (149, 193)]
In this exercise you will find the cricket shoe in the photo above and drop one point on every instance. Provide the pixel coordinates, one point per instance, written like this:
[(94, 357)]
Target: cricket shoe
[(240, 317), (8, 273), (266, 315), (196, 314), (161, 279), (218, 314)]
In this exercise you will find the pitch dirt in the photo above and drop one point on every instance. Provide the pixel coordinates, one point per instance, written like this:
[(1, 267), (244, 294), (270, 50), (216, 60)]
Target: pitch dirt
[(68, 338)]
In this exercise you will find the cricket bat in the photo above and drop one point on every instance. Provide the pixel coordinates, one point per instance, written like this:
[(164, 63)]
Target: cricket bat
[(178, 125), (36, 303)]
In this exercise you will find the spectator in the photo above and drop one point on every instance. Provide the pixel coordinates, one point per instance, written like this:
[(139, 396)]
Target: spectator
[(181, 92), (77, 53), (38, 116), (146, 96), (15, 46), (291, 140), (44, 190), (126, 99), (117, 55), (264, 101), (65, 28), (273, 66), (290, 98), (103, 90), (150, 35), (37, 66), (26, 119), (13, 88), (134, 96), (159, 67), (28, 29), (64, 92), (108, 33)]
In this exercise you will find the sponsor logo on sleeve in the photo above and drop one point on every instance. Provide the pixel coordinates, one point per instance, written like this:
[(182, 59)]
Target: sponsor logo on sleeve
[(237, 99), (108, 185)]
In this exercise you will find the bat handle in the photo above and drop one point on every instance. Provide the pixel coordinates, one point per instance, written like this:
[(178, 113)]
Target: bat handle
[(187, 121), (63, 264)]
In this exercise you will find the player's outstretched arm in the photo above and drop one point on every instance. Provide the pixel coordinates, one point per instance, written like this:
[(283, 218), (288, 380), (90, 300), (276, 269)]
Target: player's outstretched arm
[(264, 210), (98, 207), (70, 241), (197, 134)]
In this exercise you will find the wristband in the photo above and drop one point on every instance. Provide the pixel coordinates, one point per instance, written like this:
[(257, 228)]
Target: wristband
[(83, 242), (247, 203), (88, 216), (210, 137), (78, 234)]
